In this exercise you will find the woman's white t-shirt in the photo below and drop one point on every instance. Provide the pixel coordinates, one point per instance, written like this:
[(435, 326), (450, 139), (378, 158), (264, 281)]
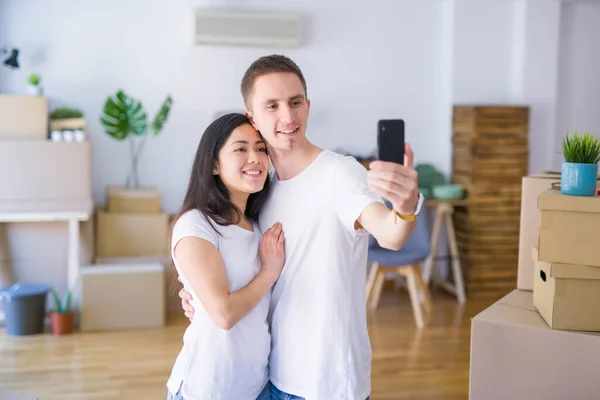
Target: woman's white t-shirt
[(215, 363)]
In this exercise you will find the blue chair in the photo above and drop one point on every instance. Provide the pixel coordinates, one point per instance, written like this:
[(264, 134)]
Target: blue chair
[(405, 262)]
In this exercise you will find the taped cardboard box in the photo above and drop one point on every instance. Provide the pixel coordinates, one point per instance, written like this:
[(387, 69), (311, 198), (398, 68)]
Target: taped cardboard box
[(532, 187), (23, 117), (569, 229), (122, 296), (131, 234), (567, 295), (144, 200), (516, 355), (45, 176)]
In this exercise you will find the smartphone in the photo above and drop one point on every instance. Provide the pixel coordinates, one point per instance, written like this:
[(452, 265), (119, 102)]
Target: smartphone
[(390, 140)]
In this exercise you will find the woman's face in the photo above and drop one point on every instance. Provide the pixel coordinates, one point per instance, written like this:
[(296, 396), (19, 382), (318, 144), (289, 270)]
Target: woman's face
[(243, 162)]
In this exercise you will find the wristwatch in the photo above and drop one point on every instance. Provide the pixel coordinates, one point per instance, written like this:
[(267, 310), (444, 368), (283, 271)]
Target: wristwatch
[(413, 216)]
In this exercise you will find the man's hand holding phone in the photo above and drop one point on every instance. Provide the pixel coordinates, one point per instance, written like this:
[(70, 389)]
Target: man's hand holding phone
[(396, 182)]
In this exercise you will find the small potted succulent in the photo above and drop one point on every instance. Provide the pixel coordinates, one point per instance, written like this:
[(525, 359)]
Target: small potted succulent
[(580, 167), (62, 314), (35, 88)]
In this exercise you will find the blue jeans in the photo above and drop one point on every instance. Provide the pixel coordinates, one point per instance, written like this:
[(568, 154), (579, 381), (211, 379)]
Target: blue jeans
[(264, 395), (277, 394)]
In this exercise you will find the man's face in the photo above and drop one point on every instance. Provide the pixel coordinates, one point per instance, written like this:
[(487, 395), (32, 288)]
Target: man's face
[(278, 109)]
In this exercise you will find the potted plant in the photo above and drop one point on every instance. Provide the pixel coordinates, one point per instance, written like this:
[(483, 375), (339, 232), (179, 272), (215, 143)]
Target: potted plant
[(124, 118), (580, 167), (62, 314), (35, 89), (67, 124)]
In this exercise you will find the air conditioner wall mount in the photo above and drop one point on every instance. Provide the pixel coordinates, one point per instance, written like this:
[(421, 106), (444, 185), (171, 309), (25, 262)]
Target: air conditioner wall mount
[(240, 28)]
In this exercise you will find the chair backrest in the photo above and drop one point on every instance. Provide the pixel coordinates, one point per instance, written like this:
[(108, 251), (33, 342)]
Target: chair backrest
[(419, 242)]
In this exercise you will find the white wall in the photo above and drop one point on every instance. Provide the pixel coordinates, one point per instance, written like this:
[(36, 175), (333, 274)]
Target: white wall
[(579, 76), (378, 70), (363, 61)]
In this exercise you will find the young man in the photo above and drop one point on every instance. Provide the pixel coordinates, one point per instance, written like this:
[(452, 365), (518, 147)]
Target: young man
[(327, 204)]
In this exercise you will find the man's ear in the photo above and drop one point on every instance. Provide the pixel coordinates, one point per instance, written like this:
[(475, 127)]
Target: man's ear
[(251, 118)]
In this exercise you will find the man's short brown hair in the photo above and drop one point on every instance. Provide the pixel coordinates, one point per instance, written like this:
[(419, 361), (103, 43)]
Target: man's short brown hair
[(266, 65)]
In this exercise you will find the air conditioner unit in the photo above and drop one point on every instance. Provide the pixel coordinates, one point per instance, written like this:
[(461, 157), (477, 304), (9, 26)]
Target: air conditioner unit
[(238, 28)]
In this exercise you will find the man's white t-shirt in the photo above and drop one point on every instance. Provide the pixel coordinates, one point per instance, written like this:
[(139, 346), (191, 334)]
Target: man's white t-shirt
[(320, 347), (215, 363)]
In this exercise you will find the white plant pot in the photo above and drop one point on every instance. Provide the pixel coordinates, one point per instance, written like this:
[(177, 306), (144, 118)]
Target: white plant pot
[(35, 90)]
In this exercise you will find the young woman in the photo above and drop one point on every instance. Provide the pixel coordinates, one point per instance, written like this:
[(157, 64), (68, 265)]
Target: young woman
[(222, 261)]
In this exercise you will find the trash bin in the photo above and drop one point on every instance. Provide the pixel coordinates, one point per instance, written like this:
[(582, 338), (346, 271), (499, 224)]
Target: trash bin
[(24, 307)]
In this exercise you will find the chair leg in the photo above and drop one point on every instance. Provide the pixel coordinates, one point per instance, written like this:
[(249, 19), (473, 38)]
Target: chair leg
[(428, 267), (378, 285), (456, 264), (413, 292), (424, 294)]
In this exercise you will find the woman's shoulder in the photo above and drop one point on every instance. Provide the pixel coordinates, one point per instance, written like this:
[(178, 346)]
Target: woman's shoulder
[(191, 217), (194, 220)]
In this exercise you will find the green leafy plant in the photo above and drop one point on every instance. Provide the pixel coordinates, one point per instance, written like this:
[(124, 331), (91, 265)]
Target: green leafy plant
[(581, 149), (34, 79), (61, 307), (65, 113), (124, 117)]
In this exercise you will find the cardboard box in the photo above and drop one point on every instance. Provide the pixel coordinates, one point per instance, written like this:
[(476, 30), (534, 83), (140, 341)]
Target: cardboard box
[(569, 229), (145, 200), (45, 176), (67, 123), (172, 285), (515, 355), (122, 296), (532, 187), (131, 235), (23, 117), (567, 295)]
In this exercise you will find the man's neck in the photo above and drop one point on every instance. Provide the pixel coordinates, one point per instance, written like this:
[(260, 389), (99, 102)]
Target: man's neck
[(291, 163)]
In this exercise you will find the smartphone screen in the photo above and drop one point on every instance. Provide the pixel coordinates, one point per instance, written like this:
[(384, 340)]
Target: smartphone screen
[(390, 140)]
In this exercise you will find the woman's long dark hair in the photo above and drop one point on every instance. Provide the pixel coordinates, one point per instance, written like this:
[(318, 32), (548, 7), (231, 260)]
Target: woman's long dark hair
[(206, 192)]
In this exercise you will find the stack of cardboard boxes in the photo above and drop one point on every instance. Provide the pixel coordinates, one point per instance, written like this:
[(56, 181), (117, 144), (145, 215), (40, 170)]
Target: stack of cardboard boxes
[(39, 178), (542, 340), (126, 287), (39, 175)]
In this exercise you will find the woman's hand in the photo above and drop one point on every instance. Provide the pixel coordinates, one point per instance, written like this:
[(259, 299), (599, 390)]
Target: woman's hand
[(271, 251)]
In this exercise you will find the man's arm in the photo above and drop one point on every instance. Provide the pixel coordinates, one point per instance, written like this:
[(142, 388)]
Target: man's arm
[(390, 231), (399, 185)]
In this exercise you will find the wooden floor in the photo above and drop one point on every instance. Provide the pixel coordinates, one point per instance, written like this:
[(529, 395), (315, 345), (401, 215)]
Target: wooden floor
[(432, 364)]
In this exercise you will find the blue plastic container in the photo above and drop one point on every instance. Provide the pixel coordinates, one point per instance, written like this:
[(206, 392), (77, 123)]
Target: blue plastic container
[(25, 307), (578, 179)]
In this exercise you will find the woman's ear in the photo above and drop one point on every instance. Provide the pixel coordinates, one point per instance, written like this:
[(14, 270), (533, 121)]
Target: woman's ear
[(215, 170)]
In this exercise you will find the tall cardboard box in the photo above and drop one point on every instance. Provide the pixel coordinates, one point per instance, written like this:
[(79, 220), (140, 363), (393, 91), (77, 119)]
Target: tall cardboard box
[(532, 187), (45, 176), (569, 229), (567, 295), (515, 355)]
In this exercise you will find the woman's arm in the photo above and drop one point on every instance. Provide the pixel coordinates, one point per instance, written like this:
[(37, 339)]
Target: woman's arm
[(203, 266)]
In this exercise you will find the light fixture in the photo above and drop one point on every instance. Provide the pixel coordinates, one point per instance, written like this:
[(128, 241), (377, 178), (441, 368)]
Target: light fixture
[(12, 61)]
